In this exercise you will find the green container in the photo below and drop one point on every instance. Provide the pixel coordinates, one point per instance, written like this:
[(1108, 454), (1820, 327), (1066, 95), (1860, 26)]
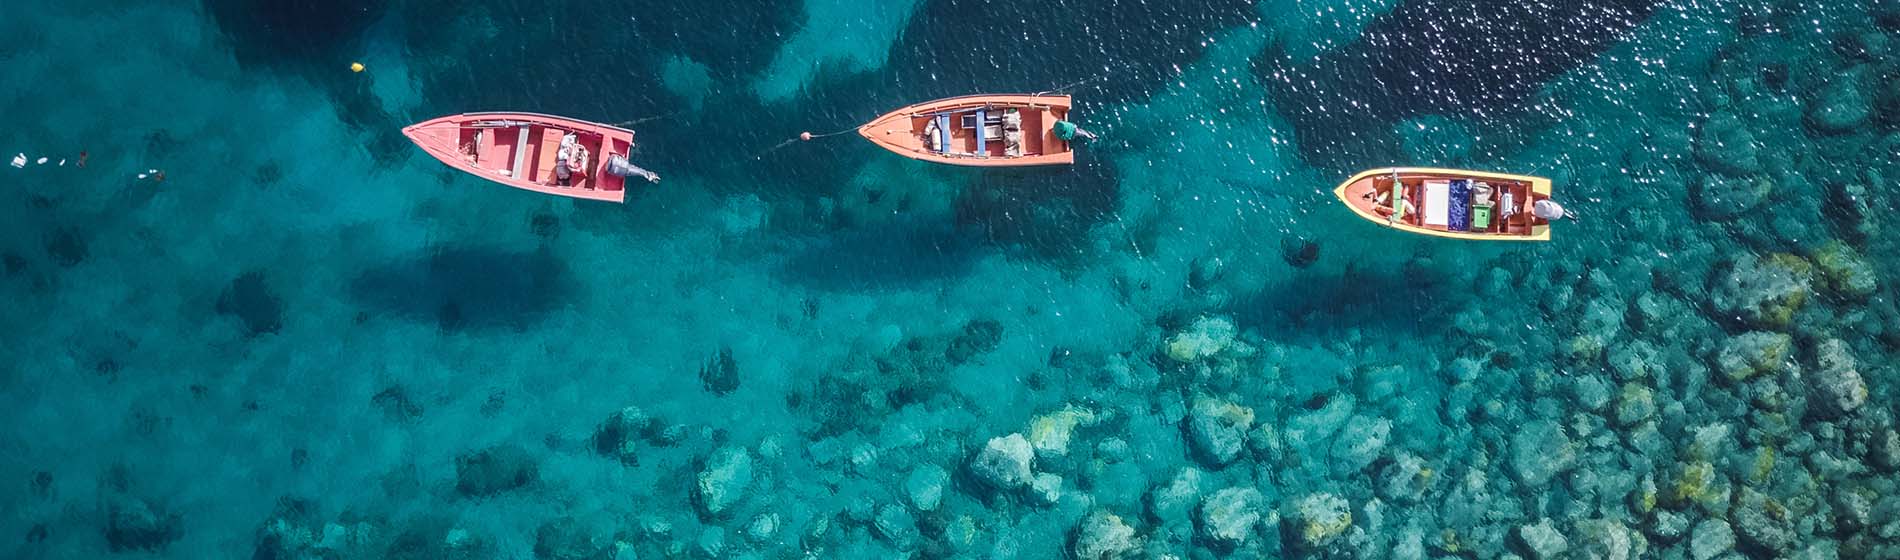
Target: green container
[(1480, 218)]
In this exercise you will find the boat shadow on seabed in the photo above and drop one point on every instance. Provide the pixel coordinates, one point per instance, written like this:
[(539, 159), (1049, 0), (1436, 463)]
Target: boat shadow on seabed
[(464, 288)]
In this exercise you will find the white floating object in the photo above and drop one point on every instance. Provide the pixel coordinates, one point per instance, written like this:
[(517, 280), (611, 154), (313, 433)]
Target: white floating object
[(42, 161), (151, 171), (62, 162), (19, 160), (141, 175)]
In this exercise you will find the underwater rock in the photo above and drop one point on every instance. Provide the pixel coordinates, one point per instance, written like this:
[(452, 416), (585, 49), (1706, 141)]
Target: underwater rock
[(618, 436), (1206, 337), (1853, 510), (589, 538), (1836, 386), (1229, 515), (1606, 539), (925, 486), (1591, 391), (1844, 272), (1762, 525), (1636, 403), (1049, 434), (1320, 519), (66, 247), (1174, 501), (1841, 104), (711, 542), (1218, 429), (494, 470), (1204, 271), (1540, 451), (1762, 292), (1005, 463), (723, 482), (1360, 443), (1104, 536), (1542, 540), (134, 524), (1887, 100), (1405, 479), (720, 374), (979, 337), (1299, 251), (1723, 198), (763, 527), (1046, 488), (1726, 145), (1711, 538), (1667, 526), (1634, 360), (1747, 355), (1883, 449), (897, 526), (251, 300), (1851, 206)]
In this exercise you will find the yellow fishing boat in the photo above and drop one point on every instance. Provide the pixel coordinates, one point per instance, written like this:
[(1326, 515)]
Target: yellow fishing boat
[(1455, 203)]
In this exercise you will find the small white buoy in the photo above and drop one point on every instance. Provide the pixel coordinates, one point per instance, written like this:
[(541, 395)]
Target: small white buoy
[(151, 171), (42, 161), (62, 162), (141, 175)]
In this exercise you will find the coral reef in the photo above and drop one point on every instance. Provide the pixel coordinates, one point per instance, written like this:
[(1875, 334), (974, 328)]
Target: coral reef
[(1206, 337), (724, 481), (1761, 292), (1229, 515), (1104, 536), (1005, 462)]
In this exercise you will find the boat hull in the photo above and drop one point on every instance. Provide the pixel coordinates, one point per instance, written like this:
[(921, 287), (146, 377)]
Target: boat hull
[(1368, 195), (518, 150), (903, 131)]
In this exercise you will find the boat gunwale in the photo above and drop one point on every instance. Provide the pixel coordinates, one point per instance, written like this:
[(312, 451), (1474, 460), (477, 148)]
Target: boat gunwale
[(1538, 185), (553, 118)]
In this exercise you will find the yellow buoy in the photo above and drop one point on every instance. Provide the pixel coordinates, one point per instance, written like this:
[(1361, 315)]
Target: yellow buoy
[(356, 67)]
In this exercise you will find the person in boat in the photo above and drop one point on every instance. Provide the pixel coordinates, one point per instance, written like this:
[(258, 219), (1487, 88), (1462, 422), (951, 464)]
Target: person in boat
[(1068, 131), (1383, 204), (1548, 209), (570, 160)]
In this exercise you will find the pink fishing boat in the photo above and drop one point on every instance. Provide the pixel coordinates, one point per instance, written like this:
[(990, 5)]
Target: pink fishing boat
[(525, 150), (979, 130)]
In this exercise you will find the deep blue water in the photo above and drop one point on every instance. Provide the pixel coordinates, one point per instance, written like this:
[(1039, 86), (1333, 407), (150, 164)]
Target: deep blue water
[(312, 341)]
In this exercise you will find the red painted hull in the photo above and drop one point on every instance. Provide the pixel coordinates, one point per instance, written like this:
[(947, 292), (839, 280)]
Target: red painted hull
[(518, 150)]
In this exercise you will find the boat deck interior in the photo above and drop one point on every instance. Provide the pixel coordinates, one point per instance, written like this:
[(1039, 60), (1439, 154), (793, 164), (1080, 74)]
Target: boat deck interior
[(958, 133), (509, 150), (1455, 204)]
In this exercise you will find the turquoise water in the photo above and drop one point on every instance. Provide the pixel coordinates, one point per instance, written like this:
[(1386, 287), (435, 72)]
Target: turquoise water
[(310, 340)]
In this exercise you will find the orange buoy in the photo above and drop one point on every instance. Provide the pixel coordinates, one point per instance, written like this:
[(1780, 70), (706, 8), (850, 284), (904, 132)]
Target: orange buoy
[(356, 67)]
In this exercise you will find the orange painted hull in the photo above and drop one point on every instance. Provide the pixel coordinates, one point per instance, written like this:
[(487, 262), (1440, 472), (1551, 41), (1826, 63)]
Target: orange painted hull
[(518, 150), (906, 131), (1369, 195)]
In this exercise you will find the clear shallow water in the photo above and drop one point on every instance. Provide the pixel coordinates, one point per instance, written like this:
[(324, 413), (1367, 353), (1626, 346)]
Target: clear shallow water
[(310, 341)]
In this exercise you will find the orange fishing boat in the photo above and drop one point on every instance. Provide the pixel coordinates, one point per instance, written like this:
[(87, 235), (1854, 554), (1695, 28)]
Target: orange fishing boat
[(979, 130), (524, 150), (1455, 203)]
